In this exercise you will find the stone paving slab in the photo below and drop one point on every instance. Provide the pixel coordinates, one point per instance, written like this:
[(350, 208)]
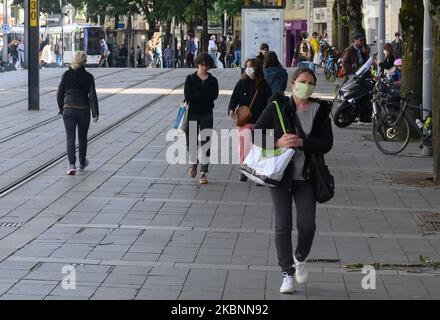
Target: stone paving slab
[(135, 227)]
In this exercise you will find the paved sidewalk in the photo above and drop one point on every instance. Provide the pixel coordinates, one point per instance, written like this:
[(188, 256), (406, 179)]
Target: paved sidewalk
[(135, 227)]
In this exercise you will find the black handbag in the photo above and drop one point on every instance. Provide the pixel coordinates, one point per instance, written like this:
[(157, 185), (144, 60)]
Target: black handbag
[(317, 172), (322, 179)]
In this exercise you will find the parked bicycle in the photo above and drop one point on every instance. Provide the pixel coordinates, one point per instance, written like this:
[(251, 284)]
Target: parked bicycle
[(392, 132), (386, 99), (332, 65)]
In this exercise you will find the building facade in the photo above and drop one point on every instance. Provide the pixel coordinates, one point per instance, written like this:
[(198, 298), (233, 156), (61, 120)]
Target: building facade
[(295, 22), (371, 19)]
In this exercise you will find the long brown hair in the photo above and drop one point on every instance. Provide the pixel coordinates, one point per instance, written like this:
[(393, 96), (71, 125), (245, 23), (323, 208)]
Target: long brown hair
[(389, 47), (258, 72)]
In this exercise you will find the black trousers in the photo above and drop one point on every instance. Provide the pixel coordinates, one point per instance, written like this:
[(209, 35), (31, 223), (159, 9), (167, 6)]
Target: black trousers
[(190, 60), (303, 194), (76, 118), (202, 122)]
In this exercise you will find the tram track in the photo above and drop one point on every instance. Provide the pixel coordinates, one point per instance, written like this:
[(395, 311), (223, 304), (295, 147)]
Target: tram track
[(57, 117), (54, 90), (55, 160)]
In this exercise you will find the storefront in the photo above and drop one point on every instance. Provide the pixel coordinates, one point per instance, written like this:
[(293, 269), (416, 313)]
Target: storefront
[(292, 31)]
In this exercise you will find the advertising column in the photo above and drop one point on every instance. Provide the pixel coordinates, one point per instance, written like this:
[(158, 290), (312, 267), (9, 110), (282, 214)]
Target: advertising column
[(261, 26), (34, 65)]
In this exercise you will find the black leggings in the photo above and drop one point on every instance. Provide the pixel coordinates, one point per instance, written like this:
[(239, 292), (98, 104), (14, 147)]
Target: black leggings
[(303, 194), (76, 118)]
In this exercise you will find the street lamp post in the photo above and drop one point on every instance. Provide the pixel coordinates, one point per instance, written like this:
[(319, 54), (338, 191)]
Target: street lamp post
[(5, 35), (381, 32), (225, 31)]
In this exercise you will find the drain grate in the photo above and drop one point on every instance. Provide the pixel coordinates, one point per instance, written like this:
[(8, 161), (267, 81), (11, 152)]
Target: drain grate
[(428, 221), (10, 224)]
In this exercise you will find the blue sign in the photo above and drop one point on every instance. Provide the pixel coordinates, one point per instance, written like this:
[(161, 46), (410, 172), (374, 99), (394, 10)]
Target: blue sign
[(6, 29), (121, 25)]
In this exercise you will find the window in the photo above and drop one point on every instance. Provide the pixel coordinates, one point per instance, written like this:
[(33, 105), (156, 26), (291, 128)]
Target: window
[(319, 3), (94, 36), (79, 40)]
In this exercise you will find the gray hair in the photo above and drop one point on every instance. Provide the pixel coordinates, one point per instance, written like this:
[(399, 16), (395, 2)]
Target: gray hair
[(79, 60)]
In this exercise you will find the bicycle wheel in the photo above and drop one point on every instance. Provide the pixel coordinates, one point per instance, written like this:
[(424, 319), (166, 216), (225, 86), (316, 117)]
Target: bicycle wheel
[(391, 135), (327, 73)]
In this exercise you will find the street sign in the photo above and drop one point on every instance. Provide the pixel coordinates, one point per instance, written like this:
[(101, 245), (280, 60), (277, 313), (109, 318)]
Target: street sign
[(6, 29), (33, 17)]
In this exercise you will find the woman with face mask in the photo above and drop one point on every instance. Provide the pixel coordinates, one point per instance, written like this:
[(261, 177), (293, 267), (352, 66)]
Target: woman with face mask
[(316, 138), (252, 91)]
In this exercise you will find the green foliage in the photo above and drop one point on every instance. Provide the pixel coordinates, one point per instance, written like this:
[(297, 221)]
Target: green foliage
[(430, 262)]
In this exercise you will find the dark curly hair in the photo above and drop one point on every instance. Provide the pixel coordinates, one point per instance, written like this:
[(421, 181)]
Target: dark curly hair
[(204, 59)]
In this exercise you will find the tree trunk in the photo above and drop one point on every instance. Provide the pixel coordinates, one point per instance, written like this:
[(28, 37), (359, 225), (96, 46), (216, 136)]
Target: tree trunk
[(205, 26), (116, 21), (335, 23), (168, 35), (435, 14), (354, 10), (102, 19), (411, 20), (343, 29)]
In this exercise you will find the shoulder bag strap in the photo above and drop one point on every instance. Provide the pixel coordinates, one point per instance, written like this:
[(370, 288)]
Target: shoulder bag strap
[(280, 116), (253, 99)]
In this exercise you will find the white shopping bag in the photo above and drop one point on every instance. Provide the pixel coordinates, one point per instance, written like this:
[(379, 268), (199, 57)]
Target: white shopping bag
[(266, 167), (181, 123)]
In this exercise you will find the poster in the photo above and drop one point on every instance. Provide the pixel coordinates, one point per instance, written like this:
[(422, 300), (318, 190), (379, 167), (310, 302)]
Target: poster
[(259, 26)]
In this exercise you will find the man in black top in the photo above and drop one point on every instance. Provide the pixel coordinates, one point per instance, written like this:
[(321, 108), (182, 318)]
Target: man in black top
[(397, 46), (264, 50), (123, 53)]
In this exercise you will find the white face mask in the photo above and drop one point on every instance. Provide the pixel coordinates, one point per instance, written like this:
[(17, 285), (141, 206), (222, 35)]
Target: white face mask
[(250, 72)]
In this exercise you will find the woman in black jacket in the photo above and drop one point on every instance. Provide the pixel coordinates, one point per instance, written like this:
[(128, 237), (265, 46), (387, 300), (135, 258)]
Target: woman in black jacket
[(201, 90), (388, 63), (251, 87), (313, 115), (76, 98)]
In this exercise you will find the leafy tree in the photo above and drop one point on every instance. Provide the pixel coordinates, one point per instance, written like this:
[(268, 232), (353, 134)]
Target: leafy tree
[(354, 10)]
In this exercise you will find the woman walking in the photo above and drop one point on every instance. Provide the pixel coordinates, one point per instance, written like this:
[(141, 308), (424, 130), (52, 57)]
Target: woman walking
[(236, 45), (76, 98), (252, 91), (309, 132), (201, 90), (274, 73)]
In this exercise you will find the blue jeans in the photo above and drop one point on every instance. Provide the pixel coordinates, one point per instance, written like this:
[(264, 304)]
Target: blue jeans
[(237, 58), (59, 60), (306, 64)]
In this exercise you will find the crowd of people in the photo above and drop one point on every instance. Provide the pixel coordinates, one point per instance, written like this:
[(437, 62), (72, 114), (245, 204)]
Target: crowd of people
[(261, 87), (16, 54), (297, 121)]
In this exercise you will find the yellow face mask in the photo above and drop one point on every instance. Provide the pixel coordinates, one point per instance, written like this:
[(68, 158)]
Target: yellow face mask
[(303, 91)]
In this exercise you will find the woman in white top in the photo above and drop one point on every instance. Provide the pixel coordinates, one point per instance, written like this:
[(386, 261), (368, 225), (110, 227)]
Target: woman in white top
[(212, 48), (46, 55)]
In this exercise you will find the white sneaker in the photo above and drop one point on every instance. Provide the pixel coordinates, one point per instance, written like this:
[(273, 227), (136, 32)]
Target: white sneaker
[(301, 273), (288, 283), (71, 170)]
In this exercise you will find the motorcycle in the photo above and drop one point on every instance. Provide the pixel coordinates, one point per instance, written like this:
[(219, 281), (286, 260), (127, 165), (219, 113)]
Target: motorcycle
[(354, 96)]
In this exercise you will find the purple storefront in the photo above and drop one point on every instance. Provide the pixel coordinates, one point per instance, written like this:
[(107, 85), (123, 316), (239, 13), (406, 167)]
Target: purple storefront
[(292, 30)]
